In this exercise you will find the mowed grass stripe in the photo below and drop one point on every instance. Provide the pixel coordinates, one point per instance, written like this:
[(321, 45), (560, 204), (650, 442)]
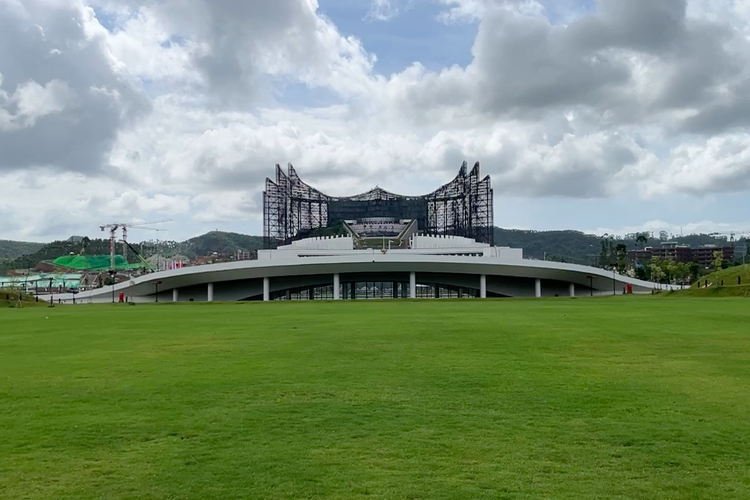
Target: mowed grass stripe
[(604, 398)]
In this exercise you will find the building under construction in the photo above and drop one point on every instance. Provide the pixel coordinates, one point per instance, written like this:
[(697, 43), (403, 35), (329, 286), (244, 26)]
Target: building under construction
[(293, 210)]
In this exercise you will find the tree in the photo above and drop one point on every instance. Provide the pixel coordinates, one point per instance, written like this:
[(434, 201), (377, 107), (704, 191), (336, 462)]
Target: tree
[(640, 239), (85, 242), (670, 270), (658, 273), (681, 272), (643, 273), (694, 270), (607, 256), (621, 254), (718, 260)]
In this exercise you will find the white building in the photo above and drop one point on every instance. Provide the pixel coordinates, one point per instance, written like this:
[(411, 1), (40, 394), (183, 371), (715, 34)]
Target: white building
[(331, 268)]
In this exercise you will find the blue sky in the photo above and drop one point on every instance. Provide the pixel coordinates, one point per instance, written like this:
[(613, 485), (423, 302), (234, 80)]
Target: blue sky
[(415, 35)]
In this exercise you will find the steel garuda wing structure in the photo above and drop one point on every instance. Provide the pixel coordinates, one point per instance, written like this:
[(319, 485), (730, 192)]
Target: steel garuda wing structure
[(463, 207)]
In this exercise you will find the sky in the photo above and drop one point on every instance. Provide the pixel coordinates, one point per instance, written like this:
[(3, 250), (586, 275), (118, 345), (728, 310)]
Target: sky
[(605, 116)]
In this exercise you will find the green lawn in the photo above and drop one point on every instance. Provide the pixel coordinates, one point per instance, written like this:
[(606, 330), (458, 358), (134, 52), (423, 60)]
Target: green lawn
[(623, 397)]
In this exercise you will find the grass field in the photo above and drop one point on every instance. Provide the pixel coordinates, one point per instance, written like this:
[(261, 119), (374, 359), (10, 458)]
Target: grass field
[(520, 399)]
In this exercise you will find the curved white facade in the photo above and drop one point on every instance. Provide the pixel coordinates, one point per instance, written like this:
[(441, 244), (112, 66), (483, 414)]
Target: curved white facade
[(479, 270)]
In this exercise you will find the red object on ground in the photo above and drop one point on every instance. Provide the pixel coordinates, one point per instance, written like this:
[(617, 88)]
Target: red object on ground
[(122, 297), (630, 288)]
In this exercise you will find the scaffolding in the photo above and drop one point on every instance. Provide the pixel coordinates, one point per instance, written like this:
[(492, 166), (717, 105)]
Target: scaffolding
[(462, 207)]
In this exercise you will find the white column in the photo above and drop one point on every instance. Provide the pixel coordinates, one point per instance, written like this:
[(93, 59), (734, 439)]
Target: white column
[(572, 289), (210, 292), (538, 288), (336, 287), (175, 295), (412, 285), (483, 286), (266, 289)]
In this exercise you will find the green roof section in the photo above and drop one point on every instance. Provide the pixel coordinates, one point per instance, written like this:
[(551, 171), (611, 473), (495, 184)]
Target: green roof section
[(93, 263)]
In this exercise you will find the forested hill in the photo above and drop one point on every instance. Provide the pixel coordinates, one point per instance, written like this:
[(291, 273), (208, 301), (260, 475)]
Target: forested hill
[(571, 246), (13, 249), (221, 243)]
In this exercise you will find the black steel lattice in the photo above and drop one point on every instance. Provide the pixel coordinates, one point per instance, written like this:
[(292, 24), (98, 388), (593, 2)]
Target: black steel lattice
[(462, 207)]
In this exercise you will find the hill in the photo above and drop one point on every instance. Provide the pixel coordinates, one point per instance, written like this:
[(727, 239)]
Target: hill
[(712, 292), (570, 246), (15, 249), (728, 276), (221, 243), (9, 299)]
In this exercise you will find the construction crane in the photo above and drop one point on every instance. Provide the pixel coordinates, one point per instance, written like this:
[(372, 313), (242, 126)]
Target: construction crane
[(124, 226)]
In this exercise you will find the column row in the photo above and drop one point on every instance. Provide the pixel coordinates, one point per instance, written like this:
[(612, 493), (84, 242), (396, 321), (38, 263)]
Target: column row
[(412, 288)]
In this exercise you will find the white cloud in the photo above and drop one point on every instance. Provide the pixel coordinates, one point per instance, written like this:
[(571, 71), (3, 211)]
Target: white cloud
[(734, 12), (144, 46), (462, 10), (655, 227), (224, 207), (716, 165), (130, 204), (56, 206), (457, 11), (235, 46), (382, 10), (179, 108), (64, 98), (33, 101)]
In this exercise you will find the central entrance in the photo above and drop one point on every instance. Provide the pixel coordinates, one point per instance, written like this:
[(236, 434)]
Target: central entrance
[(360, 287)]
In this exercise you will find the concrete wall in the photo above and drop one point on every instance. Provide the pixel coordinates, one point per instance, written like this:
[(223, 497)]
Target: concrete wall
[(504, 253), (445, 242)]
